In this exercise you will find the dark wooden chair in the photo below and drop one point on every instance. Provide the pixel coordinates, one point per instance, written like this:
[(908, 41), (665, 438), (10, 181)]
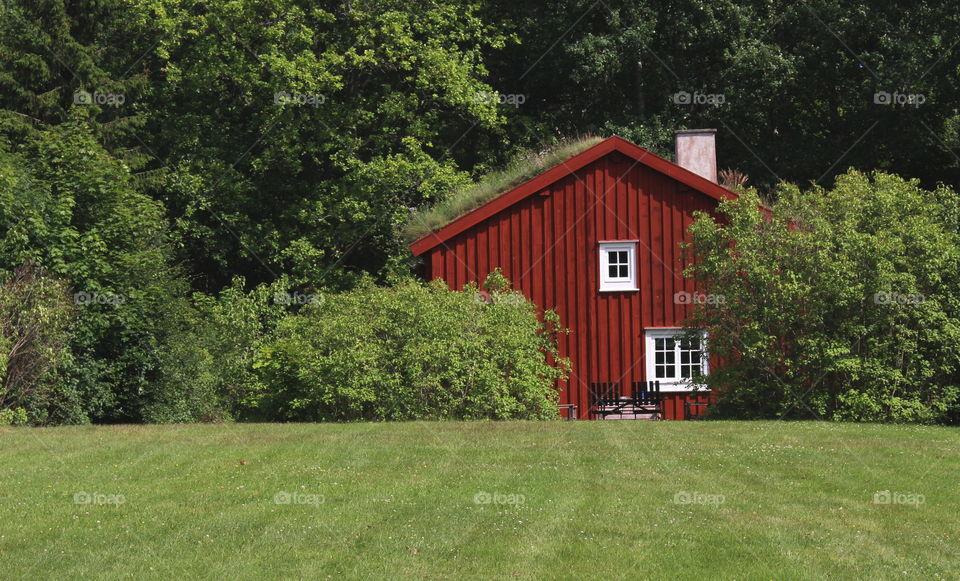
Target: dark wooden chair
[(603, 397), (647, 399)]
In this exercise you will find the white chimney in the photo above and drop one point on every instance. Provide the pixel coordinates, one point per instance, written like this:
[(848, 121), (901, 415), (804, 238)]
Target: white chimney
[(697, 151)]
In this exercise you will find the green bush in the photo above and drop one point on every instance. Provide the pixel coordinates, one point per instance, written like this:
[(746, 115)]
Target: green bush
[(35, 320), (208, 370), (842, 304), (412, 351), (14, 417)]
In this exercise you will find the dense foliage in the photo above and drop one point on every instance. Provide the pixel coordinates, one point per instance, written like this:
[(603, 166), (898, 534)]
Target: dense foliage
[(410, 351), (72, 209), (798, 91), (413, 351), (840, 303), (35, 318), (208, 372)]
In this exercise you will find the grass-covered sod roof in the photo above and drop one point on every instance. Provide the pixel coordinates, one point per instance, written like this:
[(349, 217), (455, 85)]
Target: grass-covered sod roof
[(522, 168)]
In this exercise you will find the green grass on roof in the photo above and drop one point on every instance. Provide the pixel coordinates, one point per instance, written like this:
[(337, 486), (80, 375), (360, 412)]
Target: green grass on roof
[(521, 169)]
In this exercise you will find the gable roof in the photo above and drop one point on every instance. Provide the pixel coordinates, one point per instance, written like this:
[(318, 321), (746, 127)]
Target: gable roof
[(562, 170)]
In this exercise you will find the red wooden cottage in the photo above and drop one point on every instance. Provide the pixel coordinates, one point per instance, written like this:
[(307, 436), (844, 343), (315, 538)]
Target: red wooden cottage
[(596, 239)]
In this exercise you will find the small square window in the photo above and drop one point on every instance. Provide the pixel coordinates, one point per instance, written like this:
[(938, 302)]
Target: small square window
[(618, 266)]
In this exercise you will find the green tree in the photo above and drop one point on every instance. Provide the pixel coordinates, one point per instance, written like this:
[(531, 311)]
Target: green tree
[(841, 303), (300, 134), (70, 207), (798, 80)]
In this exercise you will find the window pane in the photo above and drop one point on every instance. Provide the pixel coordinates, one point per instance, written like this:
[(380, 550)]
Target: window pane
[(684, 357), (659, 358), (666, 371), (669, 357), (618, 265), (658, 344), (669, 344)]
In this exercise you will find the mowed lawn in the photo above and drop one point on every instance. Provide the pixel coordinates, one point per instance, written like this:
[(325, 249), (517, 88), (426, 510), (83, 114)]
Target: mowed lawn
[(554, 500)]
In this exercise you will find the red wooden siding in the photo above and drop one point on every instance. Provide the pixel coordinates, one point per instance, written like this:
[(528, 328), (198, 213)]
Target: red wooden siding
[(547, 245)]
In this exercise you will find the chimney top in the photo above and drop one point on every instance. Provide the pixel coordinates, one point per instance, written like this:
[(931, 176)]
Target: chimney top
[(696, 150)]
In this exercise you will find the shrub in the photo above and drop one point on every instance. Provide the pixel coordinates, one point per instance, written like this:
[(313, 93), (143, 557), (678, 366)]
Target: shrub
[(35, 319), (208, 369), (412, 351), (841, 304), (14, 417)]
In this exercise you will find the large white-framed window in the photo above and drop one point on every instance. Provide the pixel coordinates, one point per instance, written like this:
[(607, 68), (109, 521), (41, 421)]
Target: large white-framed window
[(618, 265), (674, 360)]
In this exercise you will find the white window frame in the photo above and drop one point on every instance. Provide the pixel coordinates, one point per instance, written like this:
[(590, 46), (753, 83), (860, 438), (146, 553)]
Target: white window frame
[(609, 283), (675, 383)]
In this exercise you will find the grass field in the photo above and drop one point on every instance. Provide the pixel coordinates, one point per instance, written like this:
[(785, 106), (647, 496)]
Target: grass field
[(560, 500)]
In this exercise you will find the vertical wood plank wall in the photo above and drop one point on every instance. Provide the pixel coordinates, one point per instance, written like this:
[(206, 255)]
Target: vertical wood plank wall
[(547, 245)]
